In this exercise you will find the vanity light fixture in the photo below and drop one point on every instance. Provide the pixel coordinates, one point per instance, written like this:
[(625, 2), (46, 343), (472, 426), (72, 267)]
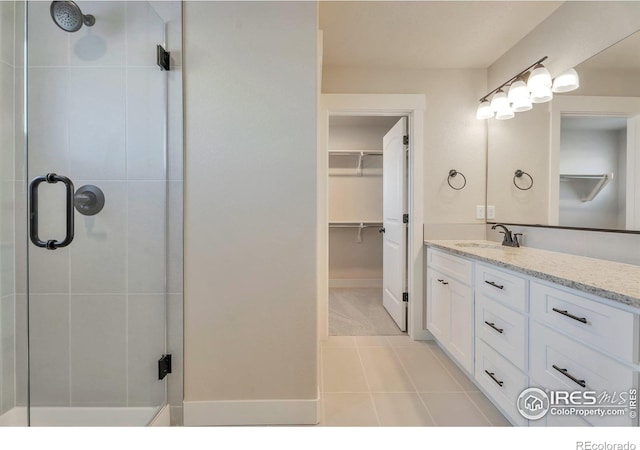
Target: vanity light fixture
[(532, 85)]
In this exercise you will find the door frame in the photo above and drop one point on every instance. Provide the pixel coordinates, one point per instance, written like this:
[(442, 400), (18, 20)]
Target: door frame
[(412, 106)]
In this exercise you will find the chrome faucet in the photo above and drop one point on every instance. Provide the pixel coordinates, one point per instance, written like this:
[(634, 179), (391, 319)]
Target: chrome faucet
[(509, 239)]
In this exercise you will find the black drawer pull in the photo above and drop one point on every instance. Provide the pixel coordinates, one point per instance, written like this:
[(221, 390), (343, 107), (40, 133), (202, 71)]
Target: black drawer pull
[(493, 325), (494, 284), (565, 313), (571, 377), (442, 281), (493, 377)]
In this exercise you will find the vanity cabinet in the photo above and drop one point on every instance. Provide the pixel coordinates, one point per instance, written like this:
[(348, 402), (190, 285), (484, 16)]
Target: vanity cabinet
[(513, 331), (450, 305)]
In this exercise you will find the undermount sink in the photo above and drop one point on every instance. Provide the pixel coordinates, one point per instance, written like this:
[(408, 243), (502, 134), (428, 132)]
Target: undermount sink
[(478, 245)]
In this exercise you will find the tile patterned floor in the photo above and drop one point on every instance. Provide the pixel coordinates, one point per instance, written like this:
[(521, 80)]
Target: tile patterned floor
[(394, 381), (359, 311)]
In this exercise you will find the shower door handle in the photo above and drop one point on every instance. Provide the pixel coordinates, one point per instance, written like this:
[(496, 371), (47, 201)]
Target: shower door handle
[(51, 178)]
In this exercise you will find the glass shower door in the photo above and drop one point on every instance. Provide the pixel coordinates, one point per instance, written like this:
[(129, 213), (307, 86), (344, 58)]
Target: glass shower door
[(96, 174)]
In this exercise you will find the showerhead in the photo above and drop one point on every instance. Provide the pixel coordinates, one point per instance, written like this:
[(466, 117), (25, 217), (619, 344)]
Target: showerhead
[(69, 17)]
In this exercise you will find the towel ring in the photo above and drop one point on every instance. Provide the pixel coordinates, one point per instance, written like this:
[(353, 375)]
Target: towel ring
[(519, 174), (452, 174)]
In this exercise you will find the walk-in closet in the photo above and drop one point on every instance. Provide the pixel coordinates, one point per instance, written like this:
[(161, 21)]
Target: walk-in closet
[(356, 226)]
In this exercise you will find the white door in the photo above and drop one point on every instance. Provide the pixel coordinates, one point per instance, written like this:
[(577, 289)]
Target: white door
[(395, 234)]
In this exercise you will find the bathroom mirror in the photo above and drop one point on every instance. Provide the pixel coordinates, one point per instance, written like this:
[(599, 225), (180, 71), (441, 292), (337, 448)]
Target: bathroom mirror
[(578, 155)]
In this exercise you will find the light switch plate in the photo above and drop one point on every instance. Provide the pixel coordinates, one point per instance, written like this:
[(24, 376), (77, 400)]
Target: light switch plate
[(491, 211), (479, 211)]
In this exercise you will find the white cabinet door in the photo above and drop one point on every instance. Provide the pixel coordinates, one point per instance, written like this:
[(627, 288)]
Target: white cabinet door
[(438, 307), (461, 324), (395, 235), (450, 316)]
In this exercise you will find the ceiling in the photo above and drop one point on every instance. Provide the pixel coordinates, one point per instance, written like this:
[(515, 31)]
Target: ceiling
[(425, 34)]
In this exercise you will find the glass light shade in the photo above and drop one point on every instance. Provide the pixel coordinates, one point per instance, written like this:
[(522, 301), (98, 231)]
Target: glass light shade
[(522, 105), (519, 96), (542, 95), (505, 113), (499, 101), (484, 111), (539, 78), (566, 82)]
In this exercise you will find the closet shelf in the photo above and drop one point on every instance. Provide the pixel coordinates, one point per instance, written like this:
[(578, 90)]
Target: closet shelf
[(596, 182), (355, 152), (359, 153), (356, 225)]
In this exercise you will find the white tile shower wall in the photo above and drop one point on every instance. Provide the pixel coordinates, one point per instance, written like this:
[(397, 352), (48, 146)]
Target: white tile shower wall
[(97, 115), (620, 247), (7, 207)]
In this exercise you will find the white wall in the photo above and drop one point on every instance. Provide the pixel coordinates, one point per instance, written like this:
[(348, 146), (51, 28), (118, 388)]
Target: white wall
[(250, 212), (454, 139), (96, 114), (584, 151)]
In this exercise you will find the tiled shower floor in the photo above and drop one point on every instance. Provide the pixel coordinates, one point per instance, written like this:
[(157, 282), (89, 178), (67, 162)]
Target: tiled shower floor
[(394, 381)]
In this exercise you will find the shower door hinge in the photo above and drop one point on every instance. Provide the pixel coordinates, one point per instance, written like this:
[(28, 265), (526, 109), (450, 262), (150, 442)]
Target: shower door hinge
[(164, 366), (405, 140), (405, 218), (163, 57), (405, 297)]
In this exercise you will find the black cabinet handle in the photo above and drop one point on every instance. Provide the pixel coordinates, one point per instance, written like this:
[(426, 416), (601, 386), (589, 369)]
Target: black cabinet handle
[(493, 325), (565, 313), (493, 377), (566, 373), (442, 281), (50, 244), (494, 284)]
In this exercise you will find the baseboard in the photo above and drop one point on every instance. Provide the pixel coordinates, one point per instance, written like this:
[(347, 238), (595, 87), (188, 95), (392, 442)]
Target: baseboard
[(252, 412), (355, 283), (163, 418), (177, 416), (422, 335)]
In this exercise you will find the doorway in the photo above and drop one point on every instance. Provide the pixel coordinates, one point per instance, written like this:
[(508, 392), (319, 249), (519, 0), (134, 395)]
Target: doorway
[(367, 232), (392, 107)]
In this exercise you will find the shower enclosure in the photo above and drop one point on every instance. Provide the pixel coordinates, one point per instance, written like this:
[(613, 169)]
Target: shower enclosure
[(88, 230)]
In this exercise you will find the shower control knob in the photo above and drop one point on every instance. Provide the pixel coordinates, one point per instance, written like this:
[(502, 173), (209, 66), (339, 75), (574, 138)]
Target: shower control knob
[(88, 200)]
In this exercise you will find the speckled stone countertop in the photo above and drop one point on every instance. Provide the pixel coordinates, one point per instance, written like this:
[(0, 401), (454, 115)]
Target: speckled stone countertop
[(615, 281)]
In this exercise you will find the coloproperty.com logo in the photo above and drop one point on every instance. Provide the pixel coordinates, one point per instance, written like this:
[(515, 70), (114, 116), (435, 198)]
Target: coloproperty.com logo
[(534, 403)]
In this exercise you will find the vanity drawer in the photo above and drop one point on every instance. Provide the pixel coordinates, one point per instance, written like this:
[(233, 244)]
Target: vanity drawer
[(560, 363), (612, 330), (502, 381), (500, 285), (451, 265), (503, 329)]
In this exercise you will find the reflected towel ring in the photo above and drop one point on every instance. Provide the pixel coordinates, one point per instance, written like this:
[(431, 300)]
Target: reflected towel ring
[(452, 174), (519, 174)]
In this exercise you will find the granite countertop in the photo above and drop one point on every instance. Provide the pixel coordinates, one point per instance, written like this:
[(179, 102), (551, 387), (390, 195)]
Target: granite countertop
[(612, 280)]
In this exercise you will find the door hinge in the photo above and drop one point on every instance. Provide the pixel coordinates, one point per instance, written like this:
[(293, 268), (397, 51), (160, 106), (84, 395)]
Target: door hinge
[(163, 58), (164, 366), (405, 297), (405, 140), (405, 218)]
